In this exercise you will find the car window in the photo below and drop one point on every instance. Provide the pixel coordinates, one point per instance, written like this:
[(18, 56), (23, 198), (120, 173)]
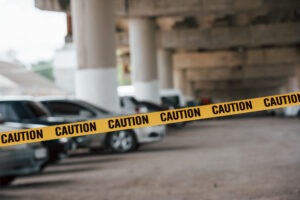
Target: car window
[(37, 110), (7, 112), (101, 110), (66, 108), (170, 101)]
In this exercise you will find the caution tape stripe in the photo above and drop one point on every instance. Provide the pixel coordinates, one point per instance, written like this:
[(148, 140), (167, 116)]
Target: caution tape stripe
[(148, 119)]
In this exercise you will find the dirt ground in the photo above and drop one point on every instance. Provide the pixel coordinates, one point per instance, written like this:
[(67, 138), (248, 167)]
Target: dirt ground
[(232, 159)]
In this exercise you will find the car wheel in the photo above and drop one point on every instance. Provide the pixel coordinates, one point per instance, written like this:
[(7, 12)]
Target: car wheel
[(122, 141), (6, 180)]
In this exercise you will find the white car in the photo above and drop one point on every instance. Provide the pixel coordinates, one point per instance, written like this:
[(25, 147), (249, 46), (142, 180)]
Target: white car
[(169, 97), (292, 111), (119, 141)]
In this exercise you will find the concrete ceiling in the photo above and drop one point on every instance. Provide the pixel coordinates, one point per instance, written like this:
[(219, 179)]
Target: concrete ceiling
[(222, 44)]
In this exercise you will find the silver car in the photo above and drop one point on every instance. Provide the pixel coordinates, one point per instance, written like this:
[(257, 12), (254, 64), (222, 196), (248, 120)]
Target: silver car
[(118, 141), (20, 160)]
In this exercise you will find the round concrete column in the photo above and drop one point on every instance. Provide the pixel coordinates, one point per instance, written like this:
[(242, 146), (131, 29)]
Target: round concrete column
[(94, 31), (181, 83), (292, 84), (165, 68), (143, 59)]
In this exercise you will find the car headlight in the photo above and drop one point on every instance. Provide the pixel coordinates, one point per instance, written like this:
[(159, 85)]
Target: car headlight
[(63, 140)]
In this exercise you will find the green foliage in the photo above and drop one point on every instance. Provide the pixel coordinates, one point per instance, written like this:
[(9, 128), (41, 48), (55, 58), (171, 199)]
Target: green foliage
[(44, 68)]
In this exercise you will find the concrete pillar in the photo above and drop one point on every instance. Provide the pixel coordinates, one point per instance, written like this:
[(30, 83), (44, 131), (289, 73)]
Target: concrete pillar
[(292, 84), (181, 83), (143, 59), (165, 68), (94, 34)]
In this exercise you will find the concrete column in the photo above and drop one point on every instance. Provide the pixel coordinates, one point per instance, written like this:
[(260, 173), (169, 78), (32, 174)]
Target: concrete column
[(94, 34), (292, 84), (165, 68), (181, 83), (143, 59)]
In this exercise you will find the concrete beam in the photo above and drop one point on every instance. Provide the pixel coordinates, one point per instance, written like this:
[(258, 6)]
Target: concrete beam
[(194, 7), (221, 95), (122, 24), (218, 74), (239, 84), (155, 8), (225, 37), (231, 37), (232, 59), (167, 23)]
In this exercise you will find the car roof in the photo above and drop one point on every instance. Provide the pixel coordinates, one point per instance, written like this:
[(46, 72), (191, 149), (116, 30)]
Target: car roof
[(55, 98), (16, 98)]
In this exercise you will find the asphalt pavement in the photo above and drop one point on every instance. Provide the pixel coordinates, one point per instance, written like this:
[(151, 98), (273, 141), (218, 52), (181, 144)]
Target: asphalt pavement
[(231, 159)]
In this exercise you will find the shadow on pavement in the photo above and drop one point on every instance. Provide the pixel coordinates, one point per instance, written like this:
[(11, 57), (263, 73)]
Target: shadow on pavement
[(164, 149), (37, 185), (67, 171), (8, 197), (80, 162), (86, 153)]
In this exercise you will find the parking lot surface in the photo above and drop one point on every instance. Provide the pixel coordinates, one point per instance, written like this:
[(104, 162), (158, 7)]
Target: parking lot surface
[(230, 159)]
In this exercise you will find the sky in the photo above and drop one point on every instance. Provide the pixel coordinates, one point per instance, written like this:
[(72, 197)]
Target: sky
[(31, 33)]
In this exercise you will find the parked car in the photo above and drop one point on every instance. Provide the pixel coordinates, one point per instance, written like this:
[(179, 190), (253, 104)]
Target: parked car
[(18, 160), (169, 97), (119, 141), (172, 98), (23, 112), (292, 111), (129, 103), (279, 112)]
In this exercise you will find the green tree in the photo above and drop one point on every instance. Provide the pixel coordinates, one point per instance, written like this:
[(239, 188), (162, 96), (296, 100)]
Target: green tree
[(44, 68)]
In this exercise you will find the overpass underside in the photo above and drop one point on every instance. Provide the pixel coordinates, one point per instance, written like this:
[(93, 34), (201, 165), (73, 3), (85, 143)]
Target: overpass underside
[(222, 49)]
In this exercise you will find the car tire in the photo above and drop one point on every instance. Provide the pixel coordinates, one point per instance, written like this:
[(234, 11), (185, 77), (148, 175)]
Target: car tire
[(121, 141), (179, 125), (6, 180)]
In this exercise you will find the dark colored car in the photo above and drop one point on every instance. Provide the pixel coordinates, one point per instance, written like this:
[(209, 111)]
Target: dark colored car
[(26, 113), (19, 160)]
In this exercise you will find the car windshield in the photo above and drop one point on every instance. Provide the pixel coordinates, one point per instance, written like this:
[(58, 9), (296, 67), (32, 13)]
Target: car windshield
[(36, 109)]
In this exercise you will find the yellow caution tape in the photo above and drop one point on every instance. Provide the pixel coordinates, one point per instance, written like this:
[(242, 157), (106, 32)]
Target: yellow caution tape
[(148, 119)]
